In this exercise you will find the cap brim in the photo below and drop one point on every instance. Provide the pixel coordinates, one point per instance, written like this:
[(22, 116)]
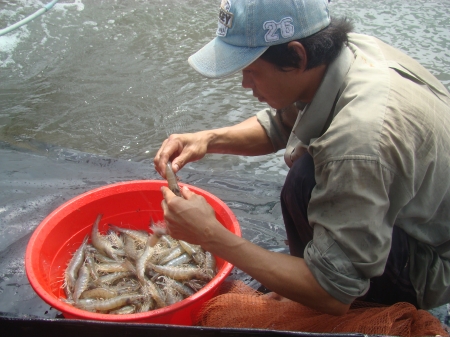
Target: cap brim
[(219, 59)]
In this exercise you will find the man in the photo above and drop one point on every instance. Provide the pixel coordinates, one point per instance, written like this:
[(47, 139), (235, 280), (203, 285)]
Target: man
[(366, 203)]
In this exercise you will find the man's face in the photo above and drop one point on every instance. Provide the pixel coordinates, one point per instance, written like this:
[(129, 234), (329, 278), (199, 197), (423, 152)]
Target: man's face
[(277, 88)]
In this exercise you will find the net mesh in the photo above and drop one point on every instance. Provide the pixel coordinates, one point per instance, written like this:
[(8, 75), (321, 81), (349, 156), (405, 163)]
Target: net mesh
[(240, 306)]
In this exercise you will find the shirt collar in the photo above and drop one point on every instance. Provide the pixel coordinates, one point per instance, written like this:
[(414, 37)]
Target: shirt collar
[(312, 122)]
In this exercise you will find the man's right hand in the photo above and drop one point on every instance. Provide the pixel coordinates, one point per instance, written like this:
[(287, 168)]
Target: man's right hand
[(180, 149)]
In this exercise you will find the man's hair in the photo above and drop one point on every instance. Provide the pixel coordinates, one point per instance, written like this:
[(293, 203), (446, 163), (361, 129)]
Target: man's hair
[(321, 48)]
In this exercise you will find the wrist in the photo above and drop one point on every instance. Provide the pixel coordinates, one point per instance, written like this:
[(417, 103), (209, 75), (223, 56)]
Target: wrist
[(217, 238), (211, 234), (214, 140)]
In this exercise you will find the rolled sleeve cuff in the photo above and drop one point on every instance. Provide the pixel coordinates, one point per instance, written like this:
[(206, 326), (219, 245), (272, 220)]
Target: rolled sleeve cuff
[(274, 128), (332, 269)]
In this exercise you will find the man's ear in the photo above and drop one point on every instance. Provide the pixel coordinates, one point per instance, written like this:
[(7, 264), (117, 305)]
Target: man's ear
[(298, 48)]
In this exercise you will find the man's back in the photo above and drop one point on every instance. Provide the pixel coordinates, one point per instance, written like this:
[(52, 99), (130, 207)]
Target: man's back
[(388, 146)]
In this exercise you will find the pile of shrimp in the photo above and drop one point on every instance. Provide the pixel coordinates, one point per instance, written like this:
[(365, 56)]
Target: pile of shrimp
[(128, 271)]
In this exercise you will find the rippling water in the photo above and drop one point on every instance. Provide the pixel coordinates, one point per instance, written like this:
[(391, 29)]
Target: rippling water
[(112, 78)]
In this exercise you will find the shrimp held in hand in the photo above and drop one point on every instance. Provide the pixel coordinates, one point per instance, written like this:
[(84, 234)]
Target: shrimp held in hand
[(172, 180)]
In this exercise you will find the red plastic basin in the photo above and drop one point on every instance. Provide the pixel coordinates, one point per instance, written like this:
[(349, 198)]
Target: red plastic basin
[(125, 204)]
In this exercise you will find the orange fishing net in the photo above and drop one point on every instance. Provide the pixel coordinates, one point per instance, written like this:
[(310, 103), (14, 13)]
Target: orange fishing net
[(243, 307)]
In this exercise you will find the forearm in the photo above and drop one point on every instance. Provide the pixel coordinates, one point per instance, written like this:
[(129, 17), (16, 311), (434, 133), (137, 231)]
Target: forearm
[(247, 138), (284, 274)]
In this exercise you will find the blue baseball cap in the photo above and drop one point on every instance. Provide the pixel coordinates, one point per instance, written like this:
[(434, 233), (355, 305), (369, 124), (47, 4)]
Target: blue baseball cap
[(247, 28)]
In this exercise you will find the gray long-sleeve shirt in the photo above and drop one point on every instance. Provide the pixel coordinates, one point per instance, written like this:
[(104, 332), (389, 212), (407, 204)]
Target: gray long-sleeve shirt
[(378, 130)]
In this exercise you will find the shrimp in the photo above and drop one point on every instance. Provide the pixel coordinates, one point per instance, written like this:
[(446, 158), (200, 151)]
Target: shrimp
[(210, 264), (154, 239), (111, 278), (115, 240), (91, 266), (196, 285), (142, 261), (147, 305), (180, 273), (172, 295), (130, 247), (110, 292), (75, 263), (102, 258), (173, 253), (182, 259), (127, 288), (102, 244), (140, 236), (82, 282), (149, 288), (172, 180), (180, 287), (160, 253), (109, 304), (128, 309), (167, 241), (195, 251), (159, 230), (112, 267), (68, 293), (145, 279), (129, 266), (104, 293)]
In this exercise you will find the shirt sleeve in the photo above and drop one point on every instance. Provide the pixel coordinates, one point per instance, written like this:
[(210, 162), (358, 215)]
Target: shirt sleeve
[(352, 226), (278, 124)]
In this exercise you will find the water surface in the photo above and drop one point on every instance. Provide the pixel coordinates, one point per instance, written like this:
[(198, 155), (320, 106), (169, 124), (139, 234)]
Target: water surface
[(112, 78)]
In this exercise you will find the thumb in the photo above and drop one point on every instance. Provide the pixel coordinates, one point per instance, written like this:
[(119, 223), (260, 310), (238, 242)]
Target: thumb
[(167, 193)]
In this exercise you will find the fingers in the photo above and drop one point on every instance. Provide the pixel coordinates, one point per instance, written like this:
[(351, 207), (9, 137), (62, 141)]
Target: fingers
[(186, 192), (160, 162), (178, 161), (169, 215), (175, 166), (167, 193), (180, 149), (170, 148)]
